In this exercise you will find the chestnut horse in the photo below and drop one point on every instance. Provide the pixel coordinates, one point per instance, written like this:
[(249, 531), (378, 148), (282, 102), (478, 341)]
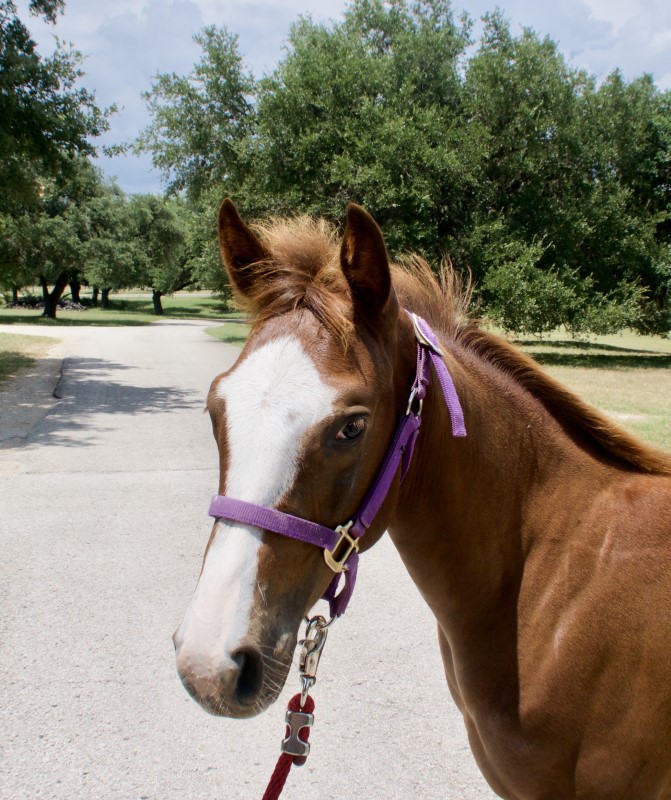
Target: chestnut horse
[(541, 541)]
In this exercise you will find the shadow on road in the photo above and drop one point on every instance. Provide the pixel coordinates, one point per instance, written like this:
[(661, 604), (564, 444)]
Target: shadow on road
[(88, 389)]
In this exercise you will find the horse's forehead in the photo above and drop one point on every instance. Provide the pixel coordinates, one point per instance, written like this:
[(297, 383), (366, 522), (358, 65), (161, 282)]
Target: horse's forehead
[(282, 373), (273, 398)]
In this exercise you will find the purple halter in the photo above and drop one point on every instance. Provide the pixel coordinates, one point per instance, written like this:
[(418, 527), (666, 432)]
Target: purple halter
[(341, 545)]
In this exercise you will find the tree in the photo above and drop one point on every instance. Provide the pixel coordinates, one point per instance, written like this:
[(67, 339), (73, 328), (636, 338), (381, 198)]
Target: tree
[(361, 111), (59, 229), (634, 122), (202, 257), (198, 120), (554, 176), (160, 236), (15, 238), (369, 110), (45, 119), (553, 191), (46, 124), (112, 252)]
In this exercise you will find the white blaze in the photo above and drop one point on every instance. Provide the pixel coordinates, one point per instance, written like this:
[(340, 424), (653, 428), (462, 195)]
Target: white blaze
[(272, 399)]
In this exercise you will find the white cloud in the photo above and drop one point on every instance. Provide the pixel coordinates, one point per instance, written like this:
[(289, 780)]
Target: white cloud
[(599, 35), (619, 12)]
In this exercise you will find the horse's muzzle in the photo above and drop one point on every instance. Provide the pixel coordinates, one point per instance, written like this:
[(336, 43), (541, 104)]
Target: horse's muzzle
[(230, 687)]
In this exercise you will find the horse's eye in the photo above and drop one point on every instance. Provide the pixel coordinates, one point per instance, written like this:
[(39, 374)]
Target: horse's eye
[(352, 429)]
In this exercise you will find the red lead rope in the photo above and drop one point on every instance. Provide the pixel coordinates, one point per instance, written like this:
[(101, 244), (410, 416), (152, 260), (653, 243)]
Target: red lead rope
[(281, 771)]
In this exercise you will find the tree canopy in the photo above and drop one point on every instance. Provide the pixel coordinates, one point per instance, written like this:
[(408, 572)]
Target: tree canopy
[(61, 223), (46, 119), (554, 191)]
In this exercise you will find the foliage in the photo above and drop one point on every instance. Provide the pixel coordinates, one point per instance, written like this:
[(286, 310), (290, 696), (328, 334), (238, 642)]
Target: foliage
[(160, 231), (111, 251), (369, 111), (199, 119), (86, 229), (554, 192), (202, 250), (46, 125), (56, 229), (45, 119), (555, 173)]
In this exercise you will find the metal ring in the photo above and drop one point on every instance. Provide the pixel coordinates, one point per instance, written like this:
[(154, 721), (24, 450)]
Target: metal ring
[(307, 620), (421, 337), (411, 400)]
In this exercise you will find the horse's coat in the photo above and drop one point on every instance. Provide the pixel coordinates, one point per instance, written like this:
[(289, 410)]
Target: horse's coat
[(540, 542)]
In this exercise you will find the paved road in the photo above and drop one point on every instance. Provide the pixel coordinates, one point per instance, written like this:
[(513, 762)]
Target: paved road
[(102, 527)]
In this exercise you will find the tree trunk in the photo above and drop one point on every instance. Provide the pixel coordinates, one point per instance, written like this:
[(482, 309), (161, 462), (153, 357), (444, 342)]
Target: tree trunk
[(75, 289), (45, 288), (94, 296), (15, 295), (156, 300), (105, 298), (52, 298)]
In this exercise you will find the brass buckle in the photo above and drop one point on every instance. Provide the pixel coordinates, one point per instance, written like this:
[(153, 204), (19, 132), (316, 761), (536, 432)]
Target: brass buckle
[(345, 546)]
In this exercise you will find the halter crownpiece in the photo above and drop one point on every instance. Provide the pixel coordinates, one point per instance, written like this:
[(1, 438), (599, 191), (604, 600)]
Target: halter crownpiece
[(341, 546)]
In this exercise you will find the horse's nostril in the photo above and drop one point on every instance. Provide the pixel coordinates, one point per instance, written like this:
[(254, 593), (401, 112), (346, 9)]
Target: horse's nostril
[(250, 675)]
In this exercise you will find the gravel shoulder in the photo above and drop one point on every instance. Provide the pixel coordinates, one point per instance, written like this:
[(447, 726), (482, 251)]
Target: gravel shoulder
[(26, 399)]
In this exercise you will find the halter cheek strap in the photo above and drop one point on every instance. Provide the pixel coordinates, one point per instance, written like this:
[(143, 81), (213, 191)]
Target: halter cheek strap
[(341, 545)]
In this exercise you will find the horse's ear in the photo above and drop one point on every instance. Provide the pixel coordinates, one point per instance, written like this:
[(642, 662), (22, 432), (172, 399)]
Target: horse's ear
[(364, 261), (240, 249)]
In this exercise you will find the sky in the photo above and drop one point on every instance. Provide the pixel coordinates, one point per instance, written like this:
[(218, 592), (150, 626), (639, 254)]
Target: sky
[(127, 42)]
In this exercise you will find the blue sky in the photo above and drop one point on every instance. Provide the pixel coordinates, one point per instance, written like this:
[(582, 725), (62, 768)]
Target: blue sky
[(127, 42)]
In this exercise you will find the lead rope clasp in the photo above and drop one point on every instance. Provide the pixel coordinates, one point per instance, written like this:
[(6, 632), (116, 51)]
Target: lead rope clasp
[(312, 645)]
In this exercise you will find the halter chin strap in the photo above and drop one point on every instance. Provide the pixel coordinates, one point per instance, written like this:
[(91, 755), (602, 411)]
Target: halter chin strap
[(341, 546)]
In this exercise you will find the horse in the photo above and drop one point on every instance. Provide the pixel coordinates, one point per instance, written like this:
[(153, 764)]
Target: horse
[(540, 541)]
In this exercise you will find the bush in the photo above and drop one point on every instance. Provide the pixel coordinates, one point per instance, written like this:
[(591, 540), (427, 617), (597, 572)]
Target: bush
[(521, 297)]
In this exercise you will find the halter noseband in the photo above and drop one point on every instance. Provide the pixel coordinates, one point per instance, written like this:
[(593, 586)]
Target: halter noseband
[(341, 546)]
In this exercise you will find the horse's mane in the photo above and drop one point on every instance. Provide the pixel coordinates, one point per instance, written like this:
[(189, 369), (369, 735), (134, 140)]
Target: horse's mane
[(303, 272)]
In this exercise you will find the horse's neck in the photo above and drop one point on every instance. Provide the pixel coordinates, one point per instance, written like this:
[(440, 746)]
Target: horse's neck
[(471, 509)]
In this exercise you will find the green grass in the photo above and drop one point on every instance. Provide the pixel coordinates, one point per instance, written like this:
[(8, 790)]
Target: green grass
[(627, 376), (127, 309), (93, 316), (18, 352), (235, 333)]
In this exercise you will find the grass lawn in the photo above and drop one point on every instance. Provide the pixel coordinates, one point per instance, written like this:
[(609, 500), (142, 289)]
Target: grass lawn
[(235, 333), (627, 376), (128, 309), (18, 352)]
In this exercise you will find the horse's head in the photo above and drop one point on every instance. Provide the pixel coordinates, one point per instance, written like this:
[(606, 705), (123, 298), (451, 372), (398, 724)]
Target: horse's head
[(302, 421)]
